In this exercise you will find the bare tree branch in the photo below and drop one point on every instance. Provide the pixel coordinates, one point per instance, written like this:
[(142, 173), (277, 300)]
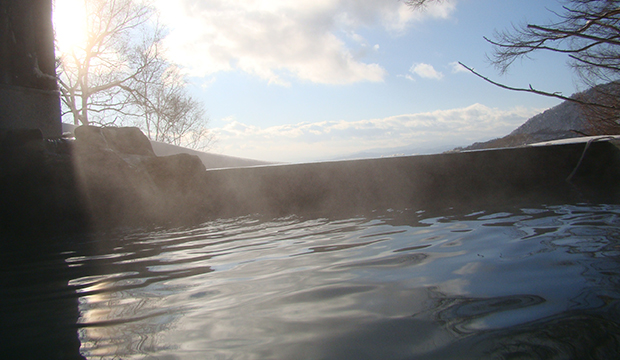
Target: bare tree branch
[(118, 76), (416, 4), (537, 92), (588, 33)]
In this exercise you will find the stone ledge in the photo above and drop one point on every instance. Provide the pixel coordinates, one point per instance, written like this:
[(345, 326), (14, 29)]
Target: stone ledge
[(110, 177)]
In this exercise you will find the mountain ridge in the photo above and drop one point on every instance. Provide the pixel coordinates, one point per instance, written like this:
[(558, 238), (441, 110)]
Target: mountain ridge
[(563, 121)]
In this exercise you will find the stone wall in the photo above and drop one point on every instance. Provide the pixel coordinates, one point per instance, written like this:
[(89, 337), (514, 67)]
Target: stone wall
[(110, 177), (29, 97), (467, 180)]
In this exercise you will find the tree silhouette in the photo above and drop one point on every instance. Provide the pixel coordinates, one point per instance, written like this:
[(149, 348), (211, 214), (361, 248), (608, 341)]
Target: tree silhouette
[(588, 32), (118, 75)]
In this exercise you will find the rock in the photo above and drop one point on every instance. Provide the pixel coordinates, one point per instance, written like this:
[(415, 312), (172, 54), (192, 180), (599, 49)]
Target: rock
[(107, 177), (37, 186), (125, 140), (124, 183)]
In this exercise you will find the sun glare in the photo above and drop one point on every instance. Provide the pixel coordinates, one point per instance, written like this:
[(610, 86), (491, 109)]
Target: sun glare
[(69, 18)]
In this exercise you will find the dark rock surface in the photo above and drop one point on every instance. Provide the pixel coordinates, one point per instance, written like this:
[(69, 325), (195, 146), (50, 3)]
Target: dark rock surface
[(129, 140), (124, 183), (37, 185), (210, 160), (107, 177)]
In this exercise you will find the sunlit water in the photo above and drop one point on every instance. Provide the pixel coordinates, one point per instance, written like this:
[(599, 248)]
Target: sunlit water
[(524, 283)]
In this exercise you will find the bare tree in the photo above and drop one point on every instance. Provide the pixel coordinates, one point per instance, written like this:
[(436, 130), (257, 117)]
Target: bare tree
[(603, 118), (91, 75), (119, 76), (416, 4), (168, 113), (588, 32)]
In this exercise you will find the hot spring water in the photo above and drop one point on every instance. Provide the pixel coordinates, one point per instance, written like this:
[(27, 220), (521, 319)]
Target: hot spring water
[(536, 283)]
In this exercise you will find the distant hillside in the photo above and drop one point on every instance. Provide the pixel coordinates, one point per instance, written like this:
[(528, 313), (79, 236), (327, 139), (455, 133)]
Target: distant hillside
[(563, 121)]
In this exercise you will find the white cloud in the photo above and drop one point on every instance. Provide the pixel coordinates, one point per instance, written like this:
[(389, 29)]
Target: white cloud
[(400, 20), (279, 39), (228, 119), (328, 139), (426, 71), (457, 68)]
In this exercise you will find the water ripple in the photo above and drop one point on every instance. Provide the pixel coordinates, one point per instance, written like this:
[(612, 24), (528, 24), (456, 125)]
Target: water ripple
[(398, 285)]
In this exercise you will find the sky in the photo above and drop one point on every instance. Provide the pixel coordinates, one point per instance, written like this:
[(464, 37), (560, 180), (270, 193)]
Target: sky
[(311, 80)]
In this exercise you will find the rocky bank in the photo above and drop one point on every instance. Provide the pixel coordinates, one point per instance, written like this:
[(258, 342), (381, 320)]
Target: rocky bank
[(106, 177)]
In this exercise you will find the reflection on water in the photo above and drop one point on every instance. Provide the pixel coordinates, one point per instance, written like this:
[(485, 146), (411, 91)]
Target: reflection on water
[(538, 283)]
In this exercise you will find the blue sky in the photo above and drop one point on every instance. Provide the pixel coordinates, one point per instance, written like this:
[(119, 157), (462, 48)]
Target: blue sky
[(310, 80)]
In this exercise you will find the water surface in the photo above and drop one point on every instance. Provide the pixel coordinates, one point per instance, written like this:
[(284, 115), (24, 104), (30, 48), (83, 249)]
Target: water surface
[(533, 283)]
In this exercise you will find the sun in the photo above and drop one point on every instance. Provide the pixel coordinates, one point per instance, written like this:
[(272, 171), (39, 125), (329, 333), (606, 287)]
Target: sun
[(69, 17)]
